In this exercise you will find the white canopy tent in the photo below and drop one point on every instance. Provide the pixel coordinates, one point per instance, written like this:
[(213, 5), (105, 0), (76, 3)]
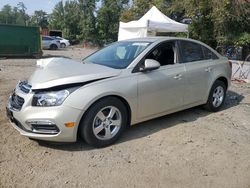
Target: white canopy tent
[(152, 22)]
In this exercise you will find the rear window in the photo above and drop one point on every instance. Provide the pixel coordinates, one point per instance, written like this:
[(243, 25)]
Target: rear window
[(191, 51), (208, 54)]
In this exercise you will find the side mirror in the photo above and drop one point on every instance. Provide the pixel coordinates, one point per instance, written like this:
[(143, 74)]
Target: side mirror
[(149, 65)]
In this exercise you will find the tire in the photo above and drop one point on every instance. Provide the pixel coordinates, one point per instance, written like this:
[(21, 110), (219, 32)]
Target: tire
[(104, 122), (63, 45), (53, 47), (216, 97)]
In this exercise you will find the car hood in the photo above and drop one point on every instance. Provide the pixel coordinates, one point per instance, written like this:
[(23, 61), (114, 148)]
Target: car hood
[(53, 72)]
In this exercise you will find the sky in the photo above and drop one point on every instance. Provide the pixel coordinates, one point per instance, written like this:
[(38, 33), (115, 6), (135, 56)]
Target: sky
[(32, 5)]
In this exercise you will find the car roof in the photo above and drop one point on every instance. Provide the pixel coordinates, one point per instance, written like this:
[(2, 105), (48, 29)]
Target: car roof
[(162, 39), (159, 39), (150, 39)]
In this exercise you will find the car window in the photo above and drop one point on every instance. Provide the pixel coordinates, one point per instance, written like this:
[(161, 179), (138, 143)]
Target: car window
[(118, 55), (208, 54), (191, 51), (165, 53), (46, 38)]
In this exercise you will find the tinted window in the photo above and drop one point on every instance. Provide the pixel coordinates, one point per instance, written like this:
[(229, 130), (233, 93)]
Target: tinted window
[(164, 53), (46, 38), (208, 54), (191, 51), (118, 55)]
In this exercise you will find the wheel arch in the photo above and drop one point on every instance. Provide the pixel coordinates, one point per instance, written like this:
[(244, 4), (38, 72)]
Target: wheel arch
[(224, 80), (122, 99), (220, 78), (52, 45)]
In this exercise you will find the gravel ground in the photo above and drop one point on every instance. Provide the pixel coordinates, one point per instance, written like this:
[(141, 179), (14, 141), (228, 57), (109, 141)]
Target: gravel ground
[(192, 148)]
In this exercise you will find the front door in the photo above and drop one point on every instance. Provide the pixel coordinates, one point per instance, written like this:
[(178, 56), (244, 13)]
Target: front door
[(161, 90)]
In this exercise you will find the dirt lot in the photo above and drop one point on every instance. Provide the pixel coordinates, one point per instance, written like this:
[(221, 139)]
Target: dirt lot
[(192, 148)]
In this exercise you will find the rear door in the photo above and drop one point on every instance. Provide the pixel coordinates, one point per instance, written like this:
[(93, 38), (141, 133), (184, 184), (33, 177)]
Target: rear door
[(198, 72)]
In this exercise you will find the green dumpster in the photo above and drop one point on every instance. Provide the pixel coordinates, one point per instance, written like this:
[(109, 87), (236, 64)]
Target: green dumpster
[(18, 40)]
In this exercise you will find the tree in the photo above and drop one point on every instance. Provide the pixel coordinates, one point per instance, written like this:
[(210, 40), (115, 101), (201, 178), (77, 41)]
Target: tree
[(66, 18), (57, 17), (108, 17), (40, 18), (88, 20), (231, 18), (20, 14), (15, 15), (140, 7), (71, 19), (6, 15), (213, 21)]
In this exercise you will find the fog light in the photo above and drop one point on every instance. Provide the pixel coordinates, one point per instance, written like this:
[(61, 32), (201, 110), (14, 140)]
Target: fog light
[(43, 126), (69, 124)]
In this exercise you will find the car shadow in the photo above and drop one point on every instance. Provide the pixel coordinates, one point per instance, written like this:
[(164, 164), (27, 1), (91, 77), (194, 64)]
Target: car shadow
[(150, 127)]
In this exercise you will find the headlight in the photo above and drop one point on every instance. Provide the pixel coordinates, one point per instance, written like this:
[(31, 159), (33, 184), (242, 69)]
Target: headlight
[(53, 98)]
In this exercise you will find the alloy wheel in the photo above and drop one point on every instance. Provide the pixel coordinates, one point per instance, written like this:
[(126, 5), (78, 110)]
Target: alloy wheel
[(107, 123), (218, 96)]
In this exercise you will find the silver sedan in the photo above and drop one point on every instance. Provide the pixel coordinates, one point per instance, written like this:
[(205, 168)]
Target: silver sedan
[(121, 85)]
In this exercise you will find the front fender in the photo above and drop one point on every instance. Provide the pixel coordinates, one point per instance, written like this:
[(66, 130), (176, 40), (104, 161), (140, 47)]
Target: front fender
[(87, 95)]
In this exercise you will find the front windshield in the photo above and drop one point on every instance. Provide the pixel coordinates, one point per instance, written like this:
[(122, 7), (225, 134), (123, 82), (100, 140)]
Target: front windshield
[(118, 55)]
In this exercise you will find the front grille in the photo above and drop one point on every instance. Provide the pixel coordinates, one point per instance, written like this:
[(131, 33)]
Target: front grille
[(24, 86), (16, 102)]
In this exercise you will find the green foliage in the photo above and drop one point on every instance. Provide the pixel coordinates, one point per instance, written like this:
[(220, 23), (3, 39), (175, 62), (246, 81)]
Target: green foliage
[(15, 15), (71, 19), (40, 18), (223, 22), (108, 20), (88, 20), (66, 17), (57, 17), (140, 7), (243, 40)]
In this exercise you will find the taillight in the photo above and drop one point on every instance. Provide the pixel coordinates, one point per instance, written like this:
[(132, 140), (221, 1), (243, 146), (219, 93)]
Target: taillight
[(230, 63)]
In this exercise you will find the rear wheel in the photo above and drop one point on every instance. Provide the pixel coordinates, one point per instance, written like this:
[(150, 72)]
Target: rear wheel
[(216, 96), (104, 122), (53, 47)]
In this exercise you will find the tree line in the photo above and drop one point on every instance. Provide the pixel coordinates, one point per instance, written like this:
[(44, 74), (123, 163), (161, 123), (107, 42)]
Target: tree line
[(223, 22)]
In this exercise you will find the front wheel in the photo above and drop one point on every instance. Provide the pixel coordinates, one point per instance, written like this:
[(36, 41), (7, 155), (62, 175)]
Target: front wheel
[(104, 122), (63, 45), (216, 97)]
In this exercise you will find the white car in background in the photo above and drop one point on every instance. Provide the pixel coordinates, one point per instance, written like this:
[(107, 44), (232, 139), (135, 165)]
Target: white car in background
[(49, 43), (63, 42)]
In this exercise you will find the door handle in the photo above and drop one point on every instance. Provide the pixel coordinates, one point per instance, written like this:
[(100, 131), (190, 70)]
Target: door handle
[(208, 69), (178, 76)]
